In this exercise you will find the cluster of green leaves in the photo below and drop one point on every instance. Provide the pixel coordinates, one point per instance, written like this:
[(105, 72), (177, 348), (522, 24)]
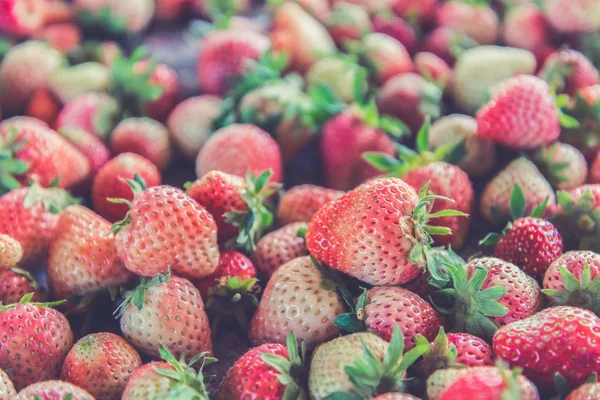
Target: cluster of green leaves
[(235, 300), (9, 164), (137, 296)]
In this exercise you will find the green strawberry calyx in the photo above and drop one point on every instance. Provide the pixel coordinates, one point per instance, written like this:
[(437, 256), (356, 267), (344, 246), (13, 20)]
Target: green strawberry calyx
[(137, 296), (554, 171), (258, 218), (137, 185), (578, 221), (518, 204), (292, 370), (103, 19), (583, 292), (190, 385), (54, 199), (441, 355), (10, 165), (587, 134), (232, 299), (409, 159), (511, 381), (26, 299), (371, 376)]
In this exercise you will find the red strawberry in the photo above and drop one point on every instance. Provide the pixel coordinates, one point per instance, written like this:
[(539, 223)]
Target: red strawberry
[(258, 373), (569, 71), (16, 283), (58, 11), (89, 145), (130, 16), (279, 247), (178, 234), (83, 255), (416, 10), (11, 252), (454, 349), (168, 311), (491, 383), (22, 17), (224, 57), (238, 149), (37, 210), (585, 391), (419, 99), (300, 203), (169, 10), (479, 21), (339, 235), (394, 26), (521, 114), (25, 68), (573, 16), (53, 390), (283, 307), (448, 44), (525, 27), (347, 22), (558, 339), (92, 112), (30, 332), (563, 165), (7, 389), (65, 37), (165, 78), (190, 123), (43, 105), (231, 264), (143, 136), (495, 200), (111, 182), (101, 363)]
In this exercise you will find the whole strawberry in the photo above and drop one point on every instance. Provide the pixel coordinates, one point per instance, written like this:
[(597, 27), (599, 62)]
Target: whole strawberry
[(291, 287), (11, 252), (83, 255), (111, 183), (300, 203), (478, 21), (568, 71), (16, 283), (563, 165), (258, 373), (30, 332), (396, 27), (238, 149), (53, 390), (572, 16), (101, 363), (525, 27), (384, 56), (7, 389), (89, 145), (143, 136), (278, 247), (166, 310), (347, 22), (178, 233), (558, 339), (167, 80), (92, 112)]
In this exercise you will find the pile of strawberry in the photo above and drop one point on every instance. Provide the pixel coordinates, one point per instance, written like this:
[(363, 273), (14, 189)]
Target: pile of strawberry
[(428, 123)]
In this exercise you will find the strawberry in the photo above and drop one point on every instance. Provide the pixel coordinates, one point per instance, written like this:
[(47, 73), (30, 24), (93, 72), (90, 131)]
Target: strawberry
[(30, 332), (22, 17), (16, 283), (190, 123), (166, 310), (415, 10), (483, 67), (585, 391), (576, 217), (90, 146), (37, 211), (282, 307), (39, 154), (572, 280), (160, 380), (65, 37), (433, 69), (573, 16), (70, 82), (53, 390), (178, 234), (101, 363), (224, 57), (7, 389), (568, 71), (595, 169), (336, 234), (279, 247), (318, 9), (238, 149), (339, 369), (451, 350), (495, 200), (394, 26), (43, 105), (169, 10), (232, 264), (347, 22), (480, 154), (92, 112), (11, 252), (166, 78), (25, 68), (116, 16), (586, 136), (563, 165), (419, 99), (556, 340), (384, 56), (111, 182), (239, 205), (493, 383), (83, 255), (270, 372), (448, 44), (301, 36), (525, 27), (339, 73), (478, 21), (300, 203), (441, 379), (143, 136), (58, 11)]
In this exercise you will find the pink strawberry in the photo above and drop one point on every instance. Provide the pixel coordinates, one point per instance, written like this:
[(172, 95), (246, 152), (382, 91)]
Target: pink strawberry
[(89, 145), (563, 165), (416, 10), (300, 203), (573, 16), (53, 390), (43, 105), (433, 69), (11, 252), (190, 123), (111, 182), (16, 283), (283, 306), (178, 234), (238, 149), (279, 247), (165, 78), (101, 363), (143, 136), (168, 311), (385, 56), (21, 17), (65, 37), (525, 27), (394, 26), (479, 21), (92, 112), (231, 264), (83, 255), (569, 71), (448, 44), (169, 10), (347, 22), (30, 332)]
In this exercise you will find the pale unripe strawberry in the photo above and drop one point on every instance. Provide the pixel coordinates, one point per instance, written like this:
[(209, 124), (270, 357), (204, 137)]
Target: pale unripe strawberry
[(573, 16), (336, 72), (279, 247), (68, 83), (563, 165), (7, 389), (53, 389), (479, 22), (11, 252)]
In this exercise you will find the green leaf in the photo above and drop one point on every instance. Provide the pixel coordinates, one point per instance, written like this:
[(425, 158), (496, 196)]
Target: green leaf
[(422, 141), (540, 210), (395, 350), (570, 282), (491, 239), (566, 121), (394, 127), (381, 161), (517, 203), (491, 308)]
